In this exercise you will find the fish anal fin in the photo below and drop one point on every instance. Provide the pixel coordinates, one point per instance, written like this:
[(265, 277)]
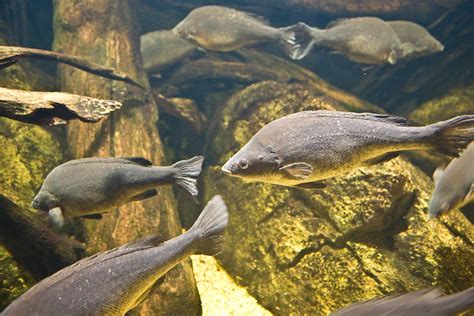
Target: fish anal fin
[(144, 195), (139, 161), (316, 185), (381, 159), (149, 291), (298, 170), (92, 216)]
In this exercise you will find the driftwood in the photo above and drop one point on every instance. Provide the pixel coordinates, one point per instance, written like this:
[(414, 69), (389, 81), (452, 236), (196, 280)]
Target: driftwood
[(52, 108), (32, 243), (183, 109), (11, 54)]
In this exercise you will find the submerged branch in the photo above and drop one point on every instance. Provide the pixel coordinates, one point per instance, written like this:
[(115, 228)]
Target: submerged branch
[(10, 54), (32, 244), (52, 108)]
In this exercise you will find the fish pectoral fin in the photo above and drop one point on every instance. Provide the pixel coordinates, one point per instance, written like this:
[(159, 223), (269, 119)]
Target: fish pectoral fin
[(56, 217), (144, 195), (316, 185), (380, 159), (139, 161), (298, 170), (92, 216)]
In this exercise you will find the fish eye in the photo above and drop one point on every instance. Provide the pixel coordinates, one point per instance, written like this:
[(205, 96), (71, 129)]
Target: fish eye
[(243, 164), (260, 157)]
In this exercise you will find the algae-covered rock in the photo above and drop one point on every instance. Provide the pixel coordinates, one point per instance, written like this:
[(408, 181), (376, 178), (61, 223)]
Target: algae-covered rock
[(13, 280), (311, 252)]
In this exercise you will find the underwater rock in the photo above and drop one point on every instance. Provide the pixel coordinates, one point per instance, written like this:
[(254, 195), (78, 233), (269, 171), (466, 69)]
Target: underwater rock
[(113, 42), (52, 108), (184, 109), (312, 252)]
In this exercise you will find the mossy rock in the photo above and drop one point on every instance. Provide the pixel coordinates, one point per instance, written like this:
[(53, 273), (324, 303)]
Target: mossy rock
[(13, 280), (311, 252)]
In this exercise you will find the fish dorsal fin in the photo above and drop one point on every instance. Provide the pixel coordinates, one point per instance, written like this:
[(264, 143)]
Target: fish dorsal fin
[(337, 22), (147, 242), (437, 174), (260, 18), (353, 115), (139, 161)]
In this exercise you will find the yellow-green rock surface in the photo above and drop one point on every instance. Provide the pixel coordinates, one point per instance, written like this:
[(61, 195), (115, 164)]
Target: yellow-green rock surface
[(311, 252)]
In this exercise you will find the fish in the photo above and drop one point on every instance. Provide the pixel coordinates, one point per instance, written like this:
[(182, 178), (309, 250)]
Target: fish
[(366, 40), (454, 186), (415, 40), (118, 280), (424, 302), (162, 49), (88, 187), (223, 29), (304, 148)]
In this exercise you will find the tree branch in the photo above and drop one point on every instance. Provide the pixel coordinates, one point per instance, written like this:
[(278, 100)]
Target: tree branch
[(53, 108), (10, 54)]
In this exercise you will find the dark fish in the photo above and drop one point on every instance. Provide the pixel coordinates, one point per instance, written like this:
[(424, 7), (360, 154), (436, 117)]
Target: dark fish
[(415, 40), (366, 40), (303, 148), (224, 29), (454, 186), (95, 185), (163, 49), (115, 281), (429, 302)]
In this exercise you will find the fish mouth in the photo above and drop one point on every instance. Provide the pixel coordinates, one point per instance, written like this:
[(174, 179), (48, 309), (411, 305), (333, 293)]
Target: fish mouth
[(226, 171)]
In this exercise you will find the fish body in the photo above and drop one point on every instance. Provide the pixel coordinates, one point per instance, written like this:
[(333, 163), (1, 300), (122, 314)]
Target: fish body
[(162, 49), (224, 29), (415, 40), (454, 186), (366, 40), (303, 148), (115, 281), (95, 185), (425, 302)]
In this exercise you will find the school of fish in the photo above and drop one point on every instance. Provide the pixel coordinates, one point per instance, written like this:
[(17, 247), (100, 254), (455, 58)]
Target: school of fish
[(298, 150)]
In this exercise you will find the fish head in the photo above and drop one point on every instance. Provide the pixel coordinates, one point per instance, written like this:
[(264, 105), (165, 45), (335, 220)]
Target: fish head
[(253, 162), (44, 201), (441, 203), (185, 31), (435, 46)]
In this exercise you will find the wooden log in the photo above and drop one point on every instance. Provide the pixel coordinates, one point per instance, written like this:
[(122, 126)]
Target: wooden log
[(53, 108), (10, 54)]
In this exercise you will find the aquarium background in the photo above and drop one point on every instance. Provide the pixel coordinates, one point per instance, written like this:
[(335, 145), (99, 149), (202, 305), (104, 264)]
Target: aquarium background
[(288, 251)]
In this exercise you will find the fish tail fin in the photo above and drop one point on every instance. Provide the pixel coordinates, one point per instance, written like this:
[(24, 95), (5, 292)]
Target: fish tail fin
[(296, 40), (210, 226), (186, 173), (452, 136)]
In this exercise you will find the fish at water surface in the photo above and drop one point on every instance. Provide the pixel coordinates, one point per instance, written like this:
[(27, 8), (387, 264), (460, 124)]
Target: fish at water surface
[(224, 29), (454, 186), (115, 281), (366, 40), (89, 186), (301, 149), (415, 40), (425, 302)]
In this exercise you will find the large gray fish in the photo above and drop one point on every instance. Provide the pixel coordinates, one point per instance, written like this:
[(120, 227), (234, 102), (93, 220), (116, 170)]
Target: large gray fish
[(303, 148), (415, 40), (224, 29), (115, 281), (366, 40), (454, 186), (89, 186), (425, 302), (163, 49)]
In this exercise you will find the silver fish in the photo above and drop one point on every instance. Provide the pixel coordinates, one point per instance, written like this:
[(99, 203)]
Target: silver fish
[(425, 302), (415, 40), (454, 186), (366, 40), (116, 281), (162, 49), (90, 186), (303, 148), (224, 29)]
